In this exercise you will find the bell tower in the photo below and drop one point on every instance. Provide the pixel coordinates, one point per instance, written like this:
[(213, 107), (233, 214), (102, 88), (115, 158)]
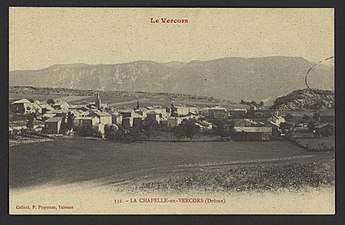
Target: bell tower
[(98, 102)]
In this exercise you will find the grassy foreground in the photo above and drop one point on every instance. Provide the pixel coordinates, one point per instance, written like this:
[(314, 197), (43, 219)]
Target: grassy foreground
[(176, 166), (240, 178), (317, 144)]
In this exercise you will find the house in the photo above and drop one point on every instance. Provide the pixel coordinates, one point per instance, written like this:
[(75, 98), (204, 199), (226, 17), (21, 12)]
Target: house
[(193, 110), (164, 122), (104, 117), (301, 130), (130, 118), (251, 111), (276, 120), (157, 109), (253, 133), (204, 125), (185, 110), (238, 113), (174, 121), (141, 111), (262, 113), (22, 106), (127, 122), (126, 112), (137, 120), (46, 108), (325, 129), (153, 116), (218, 112), (99, 129), (58, 113), (79, 113), (48, 116), (86, 122), (327, 116), (53, 125), (248, 123), (205, 112), (243, 123), (116, 118), (39, 127), (63, 105), (37, 107), (81, 107)]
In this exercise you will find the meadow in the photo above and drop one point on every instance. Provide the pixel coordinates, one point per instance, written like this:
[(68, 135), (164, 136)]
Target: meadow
[(69, 160), (317, 144)]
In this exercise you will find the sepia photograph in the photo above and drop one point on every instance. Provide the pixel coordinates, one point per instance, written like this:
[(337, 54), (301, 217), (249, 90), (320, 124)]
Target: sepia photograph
[(171, 111)]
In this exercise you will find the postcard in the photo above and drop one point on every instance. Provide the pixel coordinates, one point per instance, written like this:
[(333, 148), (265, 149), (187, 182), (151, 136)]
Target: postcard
[(171, 111)]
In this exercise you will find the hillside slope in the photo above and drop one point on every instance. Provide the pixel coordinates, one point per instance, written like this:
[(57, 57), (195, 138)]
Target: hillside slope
[(226, 78), (306, 99)]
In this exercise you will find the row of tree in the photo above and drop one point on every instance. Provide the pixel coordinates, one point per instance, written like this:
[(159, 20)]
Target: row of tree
[(257, 104), (149, 128)]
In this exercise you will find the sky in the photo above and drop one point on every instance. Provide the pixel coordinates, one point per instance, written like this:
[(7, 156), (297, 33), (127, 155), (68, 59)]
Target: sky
[(41, 37)]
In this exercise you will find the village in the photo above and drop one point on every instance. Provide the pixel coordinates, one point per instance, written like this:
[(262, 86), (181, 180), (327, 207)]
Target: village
[(55, 118)]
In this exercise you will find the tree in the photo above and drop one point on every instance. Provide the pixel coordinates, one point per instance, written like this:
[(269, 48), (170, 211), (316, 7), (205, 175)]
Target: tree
[(30, 120), (316, 116), (134, 134), (85, 131), (149, 127), (288, 117), (110, 131), (325, 131), (120, 135), (285, 127), (63, 127), (311, 126), (70, 120), (189, 128), (305, 117), (51, 101), (220, 128), (178, 132)]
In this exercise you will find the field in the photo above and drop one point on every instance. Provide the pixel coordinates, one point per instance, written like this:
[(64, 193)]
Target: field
[(15, 96), (317, 144), (238, 178), (119, 101), (116, 98), (69, 160)]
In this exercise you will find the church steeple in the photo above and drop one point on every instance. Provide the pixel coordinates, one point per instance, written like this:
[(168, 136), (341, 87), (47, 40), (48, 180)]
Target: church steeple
[(173, 109), (98, 102), (138, 105)]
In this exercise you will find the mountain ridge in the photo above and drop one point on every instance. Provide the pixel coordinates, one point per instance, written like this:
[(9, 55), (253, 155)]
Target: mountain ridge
[(232, 78)]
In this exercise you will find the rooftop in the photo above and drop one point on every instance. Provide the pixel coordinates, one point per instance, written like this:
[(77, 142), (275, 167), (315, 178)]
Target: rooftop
[(102, 114), (137, 115), (21, 101), (218, 108), (86, 118), (204, 123), (238, 110), (60, 103), (253, 129), (53, 120)]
